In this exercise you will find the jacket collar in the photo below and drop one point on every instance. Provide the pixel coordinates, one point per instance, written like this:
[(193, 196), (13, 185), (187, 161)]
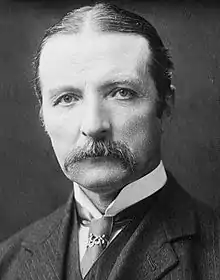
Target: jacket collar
[(171, 219)]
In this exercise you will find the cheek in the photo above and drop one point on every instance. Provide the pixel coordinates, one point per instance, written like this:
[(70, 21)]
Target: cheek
[(141, 132), (62, 131)]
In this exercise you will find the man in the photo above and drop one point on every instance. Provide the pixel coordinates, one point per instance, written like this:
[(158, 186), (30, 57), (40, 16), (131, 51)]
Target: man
[(103, 78)]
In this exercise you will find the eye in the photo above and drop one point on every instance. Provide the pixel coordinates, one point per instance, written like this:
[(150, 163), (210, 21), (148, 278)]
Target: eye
[(123, 94), (67, 99)]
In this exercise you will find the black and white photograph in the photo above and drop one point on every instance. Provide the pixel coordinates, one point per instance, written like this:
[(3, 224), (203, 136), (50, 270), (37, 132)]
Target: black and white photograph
[(109, 140)]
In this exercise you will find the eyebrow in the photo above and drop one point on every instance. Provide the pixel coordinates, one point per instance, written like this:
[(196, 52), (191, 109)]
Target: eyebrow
[(54, 92), (130, 82)]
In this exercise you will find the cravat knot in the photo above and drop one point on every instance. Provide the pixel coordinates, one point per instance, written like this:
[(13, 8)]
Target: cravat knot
[(99, 232)]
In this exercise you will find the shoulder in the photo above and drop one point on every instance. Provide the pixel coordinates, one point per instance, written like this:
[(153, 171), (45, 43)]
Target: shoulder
[(35, 232), (16, 251), (206, 219), (208, 223)]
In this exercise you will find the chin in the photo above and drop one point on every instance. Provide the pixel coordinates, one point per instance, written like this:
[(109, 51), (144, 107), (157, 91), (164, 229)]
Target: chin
[(99, 178)]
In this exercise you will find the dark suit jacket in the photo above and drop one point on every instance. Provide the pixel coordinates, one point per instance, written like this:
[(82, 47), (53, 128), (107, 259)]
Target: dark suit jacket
[(178, 239)]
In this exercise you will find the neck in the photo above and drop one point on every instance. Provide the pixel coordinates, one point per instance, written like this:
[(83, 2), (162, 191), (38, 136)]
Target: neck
[(101, 201)]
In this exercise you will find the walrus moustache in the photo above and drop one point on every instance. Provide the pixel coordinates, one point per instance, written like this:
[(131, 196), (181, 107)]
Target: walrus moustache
[(93, 149)]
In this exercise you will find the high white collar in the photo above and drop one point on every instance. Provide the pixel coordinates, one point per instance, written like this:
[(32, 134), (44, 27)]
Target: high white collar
[(129, 195)]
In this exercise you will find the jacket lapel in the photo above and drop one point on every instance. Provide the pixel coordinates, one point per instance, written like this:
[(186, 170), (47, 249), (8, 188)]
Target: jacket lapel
[(150, 254), (44, 248)]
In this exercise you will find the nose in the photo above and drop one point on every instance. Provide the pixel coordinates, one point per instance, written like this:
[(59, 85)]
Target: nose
[(95, 122)]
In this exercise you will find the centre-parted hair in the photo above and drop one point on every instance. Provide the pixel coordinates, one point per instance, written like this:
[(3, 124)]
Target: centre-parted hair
[(108, 18)]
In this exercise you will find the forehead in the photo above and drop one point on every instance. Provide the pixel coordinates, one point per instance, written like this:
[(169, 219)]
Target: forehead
[(92, 55)]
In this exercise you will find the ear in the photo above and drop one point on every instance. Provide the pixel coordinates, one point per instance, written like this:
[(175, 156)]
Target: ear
[(41, 118), (169, 103)]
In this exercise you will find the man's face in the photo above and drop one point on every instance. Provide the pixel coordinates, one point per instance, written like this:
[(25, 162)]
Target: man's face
[(96, 89)]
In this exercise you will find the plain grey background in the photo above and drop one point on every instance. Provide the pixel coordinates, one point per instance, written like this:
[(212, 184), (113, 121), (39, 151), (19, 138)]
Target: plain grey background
[(31, 182)]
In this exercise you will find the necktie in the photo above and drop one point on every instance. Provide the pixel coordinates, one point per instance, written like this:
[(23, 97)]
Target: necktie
[(99, 235), (101, 229)]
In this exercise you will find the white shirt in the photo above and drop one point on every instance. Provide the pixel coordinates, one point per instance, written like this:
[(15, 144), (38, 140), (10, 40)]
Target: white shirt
[(129, 195)]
